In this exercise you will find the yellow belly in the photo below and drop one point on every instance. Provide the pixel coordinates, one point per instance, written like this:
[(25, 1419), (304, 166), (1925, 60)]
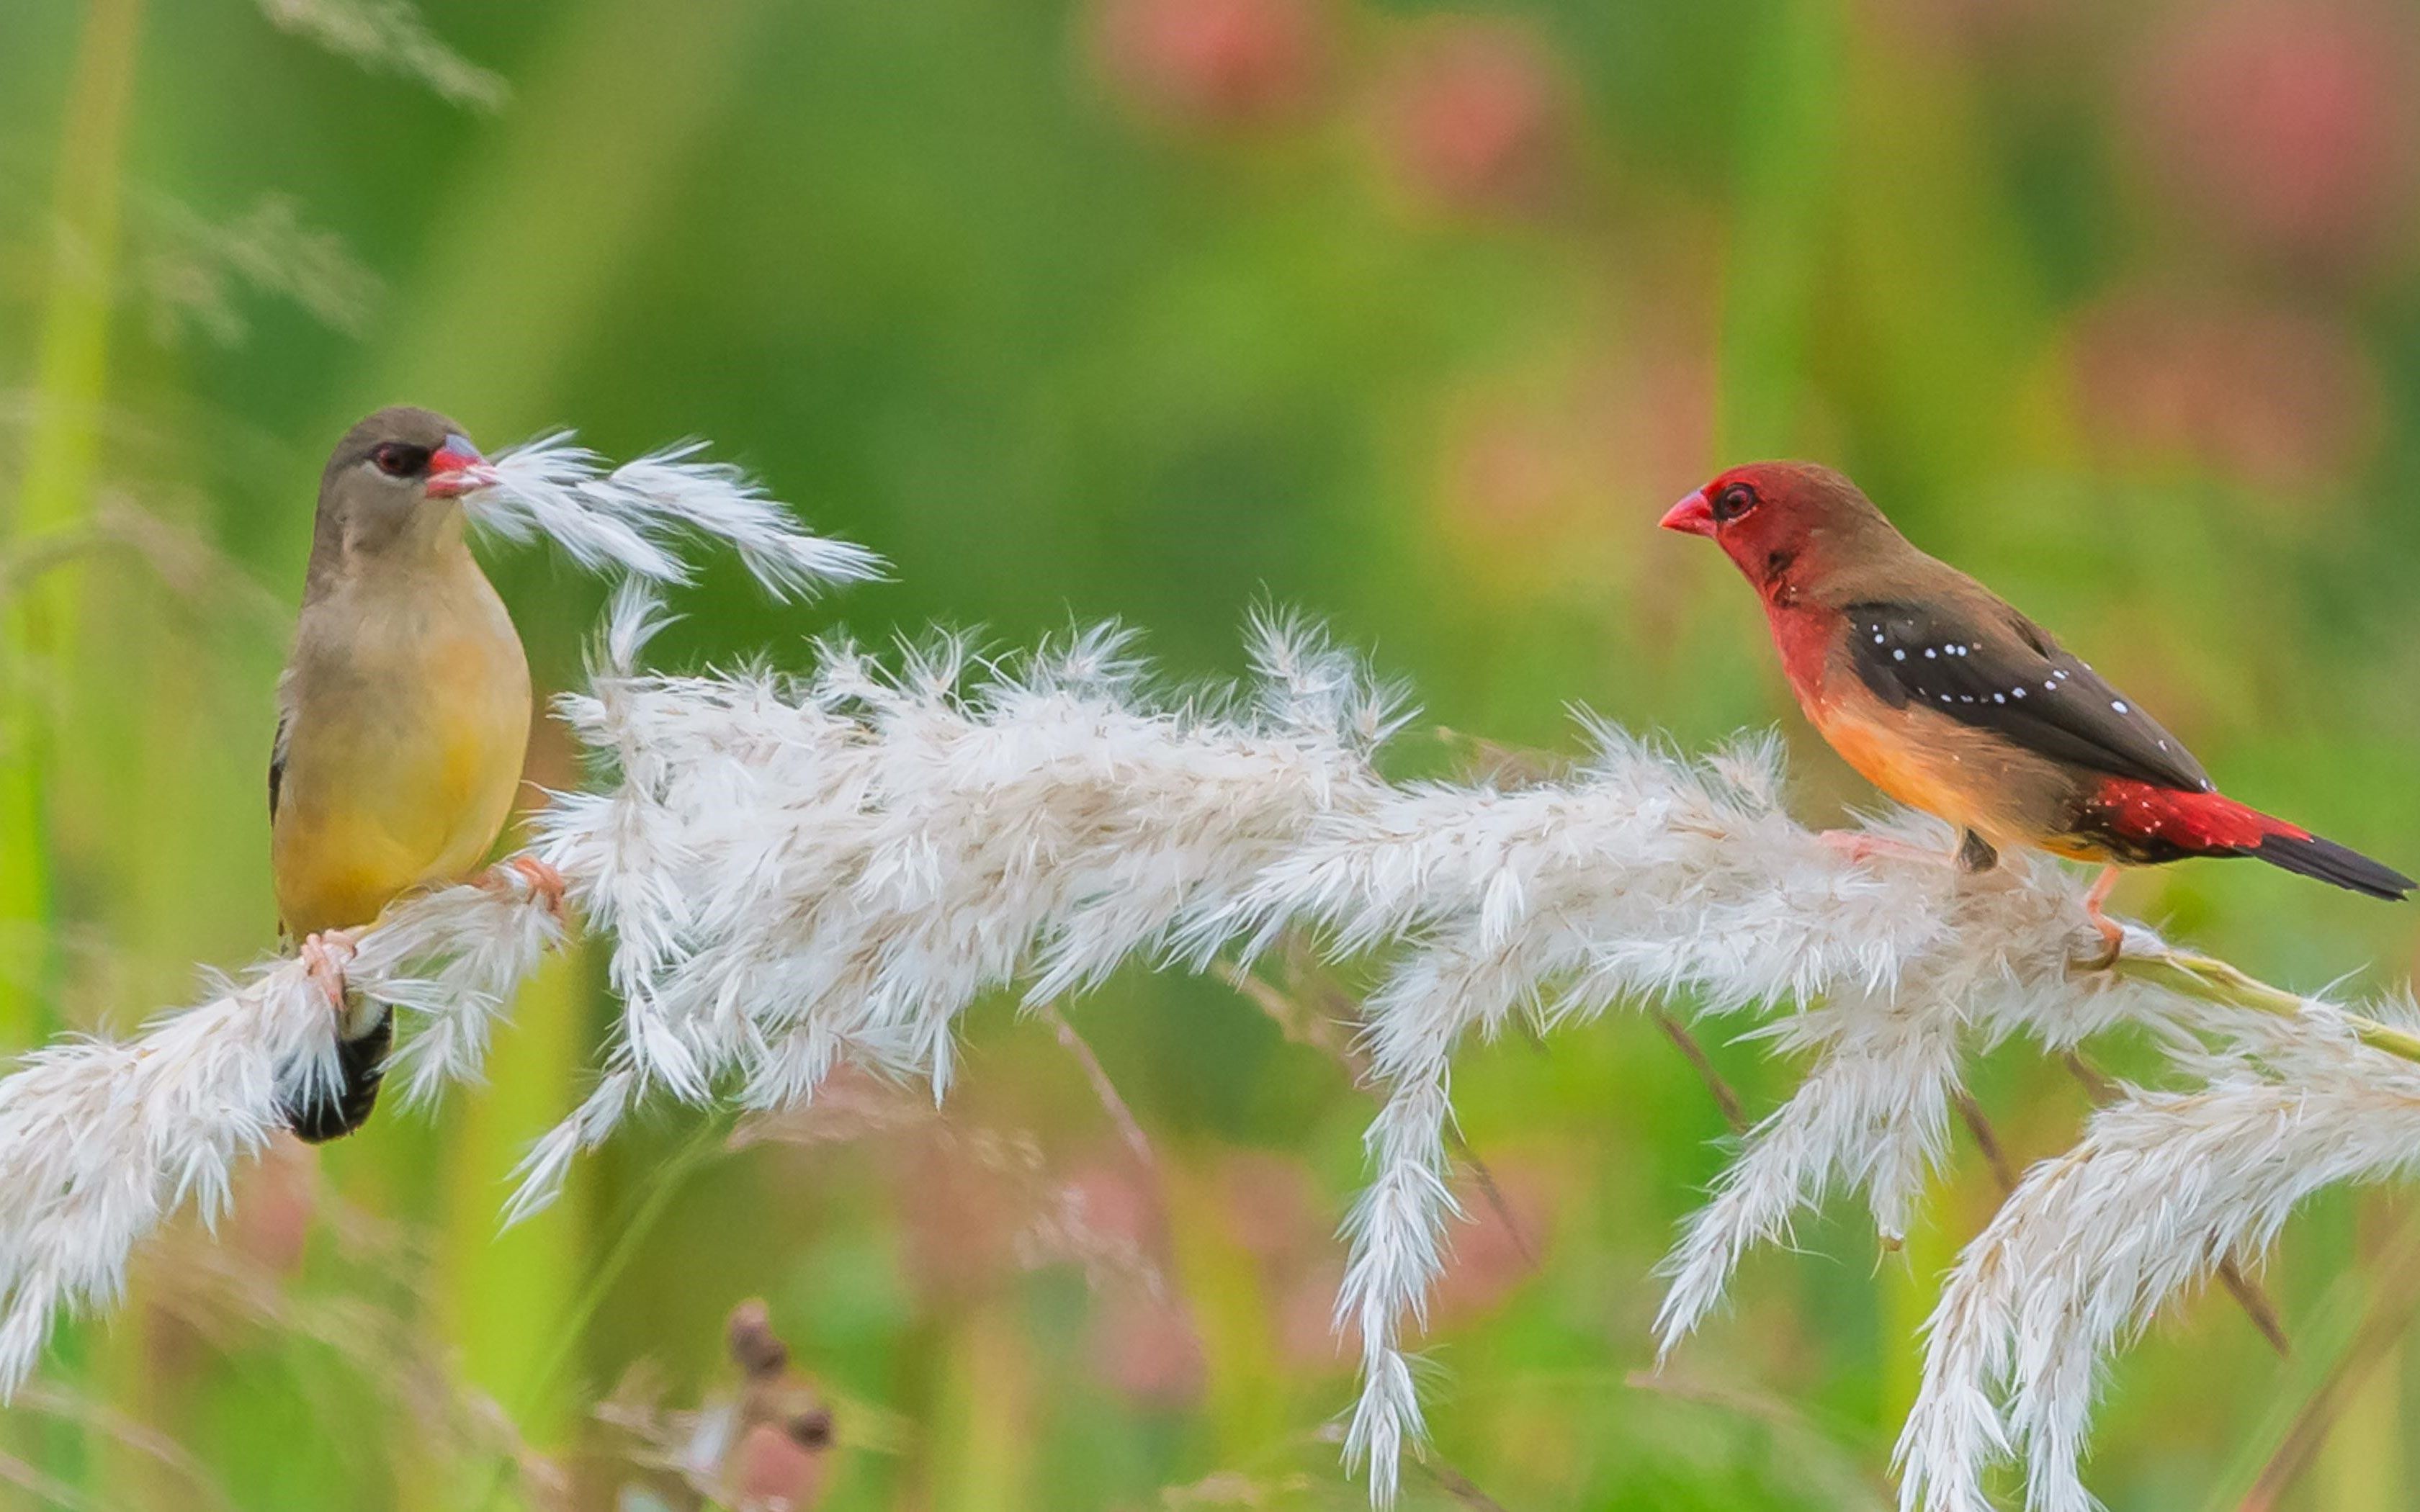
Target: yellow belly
[(398, 781)]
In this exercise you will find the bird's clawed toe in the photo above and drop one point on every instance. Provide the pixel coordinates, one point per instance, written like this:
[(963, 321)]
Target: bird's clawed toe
[(324, 956), (544, 882), (2113, 942), (2113, 934)]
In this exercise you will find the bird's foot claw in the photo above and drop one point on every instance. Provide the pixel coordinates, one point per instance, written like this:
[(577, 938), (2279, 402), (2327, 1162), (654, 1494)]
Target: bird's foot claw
[(2113, 934), (2113, 941), (2106, 956), (544, 882), (324, 956)]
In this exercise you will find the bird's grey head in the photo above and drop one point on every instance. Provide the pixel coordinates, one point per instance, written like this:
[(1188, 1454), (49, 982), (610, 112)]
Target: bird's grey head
[(395, 483)]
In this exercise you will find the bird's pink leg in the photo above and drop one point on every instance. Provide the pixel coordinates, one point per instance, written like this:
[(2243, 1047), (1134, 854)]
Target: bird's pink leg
[(1861, 845), (545, 883), (324, 956), (2113, 934)]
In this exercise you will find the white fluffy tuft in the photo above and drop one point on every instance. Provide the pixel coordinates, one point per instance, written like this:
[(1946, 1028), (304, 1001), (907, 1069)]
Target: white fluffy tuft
[(796, 873), (631, 518)]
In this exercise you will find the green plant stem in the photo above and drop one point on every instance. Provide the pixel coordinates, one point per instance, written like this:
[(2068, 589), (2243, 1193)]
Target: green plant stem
[(52, 499), (54, 496), (655, 1194), (2213, 981)]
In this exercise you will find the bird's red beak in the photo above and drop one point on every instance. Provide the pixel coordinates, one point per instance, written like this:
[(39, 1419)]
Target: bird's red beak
[(1692, 515), (455, 469)]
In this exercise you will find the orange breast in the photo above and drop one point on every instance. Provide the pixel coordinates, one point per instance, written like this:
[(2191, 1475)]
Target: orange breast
[(1967, 776), (1894, 759)]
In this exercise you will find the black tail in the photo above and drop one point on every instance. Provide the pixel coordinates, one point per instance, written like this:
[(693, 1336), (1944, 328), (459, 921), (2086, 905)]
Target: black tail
[(2330, 862), (320, 1115)]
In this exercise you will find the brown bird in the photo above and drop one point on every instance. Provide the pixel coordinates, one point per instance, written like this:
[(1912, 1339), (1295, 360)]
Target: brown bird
[(1951, 702), (402, 720)]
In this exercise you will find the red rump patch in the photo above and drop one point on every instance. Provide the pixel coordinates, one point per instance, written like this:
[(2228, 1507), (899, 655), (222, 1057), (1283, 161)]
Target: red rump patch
[(2188, 820)]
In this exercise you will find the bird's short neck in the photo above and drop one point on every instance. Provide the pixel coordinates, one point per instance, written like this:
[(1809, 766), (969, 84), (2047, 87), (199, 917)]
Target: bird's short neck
[(398, 546), (1802, 633)]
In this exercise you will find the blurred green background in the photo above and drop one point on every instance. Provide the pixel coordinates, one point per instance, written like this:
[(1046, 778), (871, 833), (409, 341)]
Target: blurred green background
[(1412, 315)]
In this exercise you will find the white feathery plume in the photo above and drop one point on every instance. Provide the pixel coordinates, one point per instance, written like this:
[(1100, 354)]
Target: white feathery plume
[(1871, 1111), (797, 873), (451, 959), (2165, 1187), (802, 871), (630, 519), (1639, 876), (101, 1141)]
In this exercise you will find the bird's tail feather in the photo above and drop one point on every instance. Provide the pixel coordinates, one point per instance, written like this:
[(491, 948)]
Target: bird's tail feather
[(2166, 823), (323, 1114), (2311, 856)]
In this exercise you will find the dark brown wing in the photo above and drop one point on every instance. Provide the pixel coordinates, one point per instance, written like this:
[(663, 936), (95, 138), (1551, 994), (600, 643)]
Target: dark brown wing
[(2012, 679), (277, 764)]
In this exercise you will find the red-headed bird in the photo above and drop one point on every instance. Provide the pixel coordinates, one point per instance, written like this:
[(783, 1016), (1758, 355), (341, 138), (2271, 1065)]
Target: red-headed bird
[(1951, 702)]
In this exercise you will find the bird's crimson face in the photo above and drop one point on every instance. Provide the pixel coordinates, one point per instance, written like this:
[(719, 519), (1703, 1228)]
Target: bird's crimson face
[(1750, 513)]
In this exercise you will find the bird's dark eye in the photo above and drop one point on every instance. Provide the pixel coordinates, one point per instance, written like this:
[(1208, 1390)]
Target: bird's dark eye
[(1733, 501), (399, 459)]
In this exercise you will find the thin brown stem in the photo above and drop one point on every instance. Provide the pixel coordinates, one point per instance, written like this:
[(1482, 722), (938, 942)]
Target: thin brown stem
[(1725, 1099), (1298, 1023), (2390, 1314), (2100, 1088), (1495, 1202), (1129, 1128), (1986, 1140), (2256, 1304), (1304, 1025), (1457, 1485)]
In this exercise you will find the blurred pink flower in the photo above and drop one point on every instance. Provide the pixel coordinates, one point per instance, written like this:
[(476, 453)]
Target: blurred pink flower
[(1555, 477), (1487, 1258), (2289, 125), (773, 1471), (1214, 63), (1476, 117), (962, 1203), (2275, 398), (1116, 1199), (1305, 1318), (1514, 471), (1497, 1246), (1274, 1207), (1146, 1348), (276, 1204)]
